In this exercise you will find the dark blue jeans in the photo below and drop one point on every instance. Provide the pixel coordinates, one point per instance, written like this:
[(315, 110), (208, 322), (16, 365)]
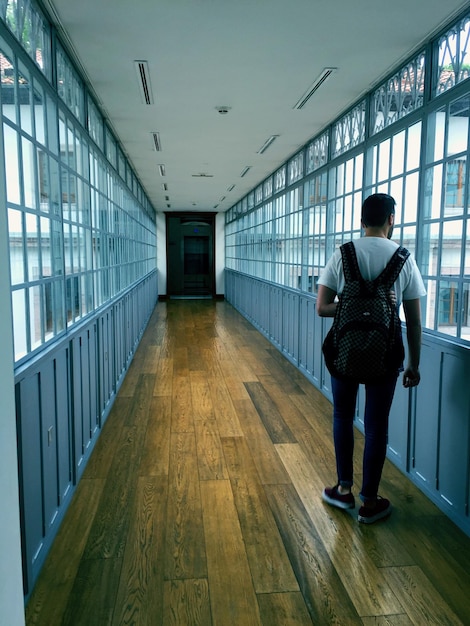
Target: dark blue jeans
[(378, 402)]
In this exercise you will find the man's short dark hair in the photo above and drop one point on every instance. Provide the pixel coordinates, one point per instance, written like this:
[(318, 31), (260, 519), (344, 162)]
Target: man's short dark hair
[(376, 209)]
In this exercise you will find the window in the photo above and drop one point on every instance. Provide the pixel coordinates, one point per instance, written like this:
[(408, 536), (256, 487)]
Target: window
[(31, 29), (400, 95), (452, 50), (349, 131), (78, 235), (317, 153)]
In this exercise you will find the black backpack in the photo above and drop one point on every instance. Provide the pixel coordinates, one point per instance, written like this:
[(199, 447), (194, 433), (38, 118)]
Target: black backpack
[(365, 341)]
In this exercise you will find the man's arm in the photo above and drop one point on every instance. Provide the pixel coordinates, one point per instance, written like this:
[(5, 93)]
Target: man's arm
[(412, 308), (326, 305)]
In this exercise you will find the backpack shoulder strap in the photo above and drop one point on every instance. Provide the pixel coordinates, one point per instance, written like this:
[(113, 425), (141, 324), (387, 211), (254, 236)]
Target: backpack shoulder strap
[(350, 265), (394, 267)]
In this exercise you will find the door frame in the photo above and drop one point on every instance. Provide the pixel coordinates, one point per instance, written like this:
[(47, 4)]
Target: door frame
[(207, 218)]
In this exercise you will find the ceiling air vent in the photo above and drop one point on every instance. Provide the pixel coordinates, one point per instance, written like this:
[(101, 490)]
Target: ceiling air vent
[(324, 76), (143, 78)]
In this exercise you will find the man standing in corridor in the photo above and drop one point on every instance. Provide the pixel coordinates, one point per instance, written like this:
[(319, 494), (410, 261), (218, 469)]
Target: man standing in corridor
[(373, 252)]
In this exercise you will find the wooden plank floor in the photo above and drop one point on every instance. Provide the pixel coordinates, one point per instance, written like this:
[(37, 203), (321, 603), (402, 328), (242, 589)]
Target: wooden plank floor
[(201, 503)]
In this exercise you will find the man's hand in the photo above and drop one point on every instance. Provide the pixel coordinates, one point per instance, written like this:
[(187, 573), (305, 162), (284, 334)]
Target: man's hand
[(411, 377)]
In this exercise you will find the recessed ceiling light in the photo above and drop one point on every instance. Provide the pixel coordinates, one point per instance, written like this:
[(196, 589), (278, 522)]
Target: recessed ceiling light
[(267, 143), (231, 187), (161, 168), (245, 171), (156, 141), (143, 77), (317, 83)]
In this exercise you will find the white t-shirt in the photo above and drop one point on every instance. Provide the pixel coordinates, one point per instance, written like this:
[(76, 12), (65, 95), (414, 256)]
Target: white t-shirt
[(373, 254)]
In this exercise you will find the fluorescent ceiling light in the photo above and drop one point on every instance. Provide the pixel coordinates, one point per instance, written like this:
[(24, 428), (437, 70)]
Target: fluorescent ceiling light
[(245, 171), (231, 187), (161, 168), (156, 141), (267, 143), (165, 187), (143, 78), (318, 82)]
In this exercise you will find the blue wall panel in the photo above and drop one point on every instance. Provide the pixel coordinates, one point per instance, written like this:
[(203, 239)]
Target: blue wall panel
[(62, 397), (454, 432)]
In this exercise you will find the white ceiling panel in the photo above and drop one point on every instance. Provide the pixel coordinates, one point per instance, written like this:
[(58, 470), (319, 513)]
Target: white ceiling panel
[(255, 57)]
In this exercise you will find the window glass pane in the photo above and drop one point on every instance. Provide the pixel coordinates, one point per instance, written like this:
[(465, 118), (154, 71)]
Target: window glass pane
[(451, 254), (52, 134), (455, 177), (45, 246), (54, 190), (11, 164), (24, 99), (467, 251), (465, 331), (457, 136), (433, 187), (448, 307), (384, 160), (430, 249), (69, 85), (430, 308), (32, 246), (16, 241), (29, 173), (35, 316), (18, 298), (8, 86), (43, 180), (436, 135), (410, 203), (359, 171), (396, 191), (408, 239), (413, 147), (398, 154)]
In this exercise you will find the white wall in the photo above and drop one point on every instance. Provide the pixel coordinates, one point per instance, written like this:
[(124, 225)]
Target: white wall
[(220, 254), (11, 582), (160, 221)]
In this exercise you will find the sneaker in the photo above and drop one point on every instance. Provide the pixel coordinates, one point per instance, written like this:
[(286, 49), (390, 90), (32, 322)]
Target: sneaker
[(382, 509), (342, 501)]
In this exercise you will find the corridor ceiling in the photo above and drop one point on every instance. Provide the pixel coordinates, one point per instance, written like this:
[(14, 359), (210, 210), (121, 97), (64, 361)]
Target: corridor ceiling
[(252, 58)]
